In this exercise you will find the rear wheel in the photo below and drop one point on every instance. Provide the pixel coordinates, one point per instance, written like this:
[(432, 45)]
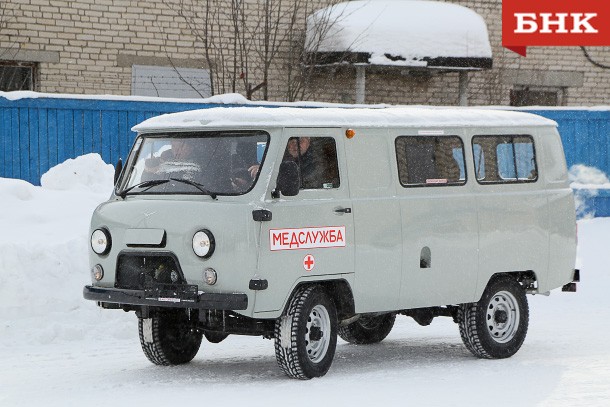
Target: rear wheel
[(496, 326), (306, 336), (368, 329), (169, 338)]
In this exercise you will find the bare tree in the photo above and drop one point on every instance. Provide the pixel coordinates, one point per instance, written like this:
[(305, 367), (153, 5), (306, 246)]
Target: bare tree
[(489, 87), (248, 44)]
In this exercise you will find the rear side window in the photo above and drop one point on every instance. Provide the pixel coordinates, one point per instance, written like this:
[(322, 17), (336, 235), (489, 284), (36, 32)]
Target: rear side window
[(430, 161), (504, 159)]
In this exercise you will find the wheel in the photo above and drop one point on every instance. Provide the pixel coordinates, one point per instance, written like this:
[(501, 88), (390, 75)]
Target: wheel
[(367, 330), (496, 326), (215, 337), (168, 339), (306, 336)]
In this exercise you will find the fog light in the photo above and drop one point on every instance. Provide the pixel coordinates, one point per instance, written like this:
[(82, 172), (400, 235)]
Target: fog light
[(209, 276), (97, 272)]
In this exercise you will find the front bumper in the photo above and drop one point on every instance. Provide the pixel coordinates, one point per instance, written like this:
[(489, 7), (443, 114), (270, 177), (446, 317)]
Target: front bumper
[(175, 298)]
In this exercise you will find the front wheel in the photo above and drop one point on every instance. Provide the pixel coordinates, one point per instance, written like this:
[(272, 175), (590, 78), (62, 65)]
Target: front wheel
[(306, 336), (168, 338), (496, 326)]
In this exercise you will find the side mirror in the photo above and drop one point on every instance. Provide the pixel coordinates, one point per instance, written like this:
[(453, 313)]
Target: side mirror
[(288, 179), (117, 170)]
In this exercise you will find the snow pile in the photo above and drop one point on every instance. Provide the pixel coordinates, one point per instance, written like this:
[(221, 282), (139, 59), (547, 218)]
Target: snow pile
[(88, 171), (582, 176), (406, 31), (43, 250), (586, 183)]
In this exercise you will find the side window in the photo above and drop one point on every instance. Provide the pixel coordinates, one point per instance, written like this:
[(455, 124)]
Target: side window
[(317, 161), (504, 159), (429, 161)]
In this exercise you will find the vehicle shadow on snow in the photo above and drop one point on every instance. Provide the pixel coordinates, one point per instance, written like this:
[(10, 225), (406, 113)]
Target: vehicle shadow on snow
[(387, 356)]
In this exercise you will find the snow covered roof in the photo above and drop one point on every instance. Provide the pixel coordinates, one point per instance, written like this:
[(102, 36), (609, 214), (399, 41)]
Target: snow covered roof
[(265, 117), (410, 33)]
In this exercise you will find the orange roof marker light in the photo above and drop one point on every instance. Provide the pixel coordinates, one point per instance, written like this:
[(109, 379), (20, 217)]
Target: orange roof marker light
[(350, 133)]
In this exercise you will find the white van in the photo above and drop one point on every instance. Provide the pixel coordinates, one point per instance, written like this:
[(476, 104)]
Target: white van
[(302, 224)]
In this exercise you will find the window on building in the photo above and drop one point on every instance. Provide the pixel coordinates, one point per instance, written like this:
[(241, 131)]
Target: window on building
[(17, 76), (170, 82), (504, 159), (430, 161), (528, 96)]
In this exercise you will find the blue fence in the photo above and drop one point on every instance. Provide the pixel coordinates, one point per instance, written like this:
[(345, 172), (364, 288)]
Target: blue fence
[(585, 135)]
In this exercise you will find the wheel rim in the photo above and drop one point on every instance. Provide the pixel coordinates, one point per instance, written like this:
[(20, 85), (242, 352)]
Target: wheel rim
[(317, 334), (503, 317)]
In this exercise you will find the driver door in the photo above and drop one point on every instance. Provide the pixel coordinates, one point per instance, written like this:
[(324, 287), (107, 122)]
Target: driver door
[(311, 234)]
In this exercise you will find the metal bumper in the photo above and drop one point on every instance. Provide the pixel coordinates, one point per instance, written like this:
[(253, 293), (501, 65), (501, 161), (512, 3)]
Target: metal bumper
[(177, 298)]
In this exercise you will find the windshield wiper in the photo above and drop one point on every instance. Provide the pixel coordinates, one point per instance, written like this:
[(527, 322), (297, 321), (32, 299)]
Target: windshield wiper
[(197, 185), (146, 184)]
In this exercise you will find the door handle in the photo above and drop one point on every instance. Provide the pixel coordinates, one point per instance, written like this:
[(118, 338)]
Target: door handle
[(343, 210)]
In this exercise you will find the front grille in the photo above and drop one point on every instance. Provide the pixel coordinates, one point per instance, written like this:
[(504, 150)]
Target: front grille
[(136, 271)]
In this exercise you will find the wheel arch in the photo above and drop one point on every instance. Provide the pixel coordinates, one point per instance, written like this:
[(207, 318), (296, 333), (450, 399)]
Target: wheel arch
[(339, 291), (527, 278)]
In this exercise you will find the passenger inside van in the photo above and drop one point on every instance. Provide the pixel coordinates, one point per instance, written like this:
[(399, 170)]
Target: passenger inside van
[(181, 151)]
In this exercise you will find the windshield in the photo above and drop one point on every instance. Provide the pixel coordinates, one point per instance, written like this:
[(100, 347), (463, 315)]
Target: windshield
[(218, 163)]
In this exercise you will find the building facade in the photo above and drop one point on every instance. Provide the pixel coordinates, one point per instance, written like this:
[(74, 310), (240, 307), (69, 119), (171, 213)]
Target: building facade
[(194, 48)]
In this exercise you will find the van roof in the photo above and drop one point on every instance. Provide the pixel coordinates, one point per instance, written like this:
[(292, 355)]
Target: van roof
[(269, 117)]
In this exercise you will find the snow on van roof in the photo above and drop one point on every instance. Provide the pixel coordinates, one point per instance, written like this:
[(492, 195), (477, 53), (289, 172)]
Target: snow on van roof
[(265, 117)]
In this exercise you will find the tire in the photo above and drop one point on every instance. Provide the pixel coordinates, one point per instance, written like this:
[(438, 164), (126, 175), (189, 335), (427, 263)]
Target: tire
[(367, 330), (496, 326), (169, 339), (306, 336)]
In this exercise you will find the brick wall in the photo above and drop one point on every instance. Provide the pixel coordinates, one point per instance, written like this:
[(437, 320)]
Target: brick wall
[(89, 46)]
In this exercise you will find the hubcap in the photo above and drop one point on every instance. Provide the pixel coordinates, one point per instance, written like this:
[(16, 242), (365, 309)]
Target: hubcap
[(317, 333), (503, 317)]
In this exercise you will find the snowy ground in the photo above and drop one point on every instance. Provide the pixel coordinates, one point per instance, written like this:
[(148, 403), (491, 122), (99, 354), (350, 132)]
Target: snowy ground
[(57, 349)]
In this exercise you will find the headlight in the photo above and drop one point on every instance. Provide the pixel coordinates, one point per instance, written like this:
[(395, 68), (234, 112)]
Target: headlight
[(100, 241), (203, 243)]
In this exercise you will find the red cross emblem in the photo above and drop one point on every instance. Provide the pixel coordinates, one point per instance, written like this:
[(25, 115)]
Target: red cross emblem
[(309, 262)]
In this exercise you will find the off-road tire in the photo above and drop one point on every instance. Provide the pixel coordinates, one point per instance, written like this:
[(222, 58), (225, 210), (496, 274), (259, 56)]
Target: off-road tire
[(306, 336), (367, 330), (496, 326), (168, 339)]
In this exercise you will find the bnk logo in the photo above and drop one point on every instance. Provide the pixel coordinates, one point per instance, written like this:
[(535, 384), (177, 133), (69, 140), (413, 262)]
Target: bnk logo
[(554, 23), (549, 23)]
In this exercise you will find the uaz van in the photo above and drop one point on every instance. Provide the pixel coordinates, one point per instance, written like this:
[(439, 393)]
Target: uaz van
[(299, 225)]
